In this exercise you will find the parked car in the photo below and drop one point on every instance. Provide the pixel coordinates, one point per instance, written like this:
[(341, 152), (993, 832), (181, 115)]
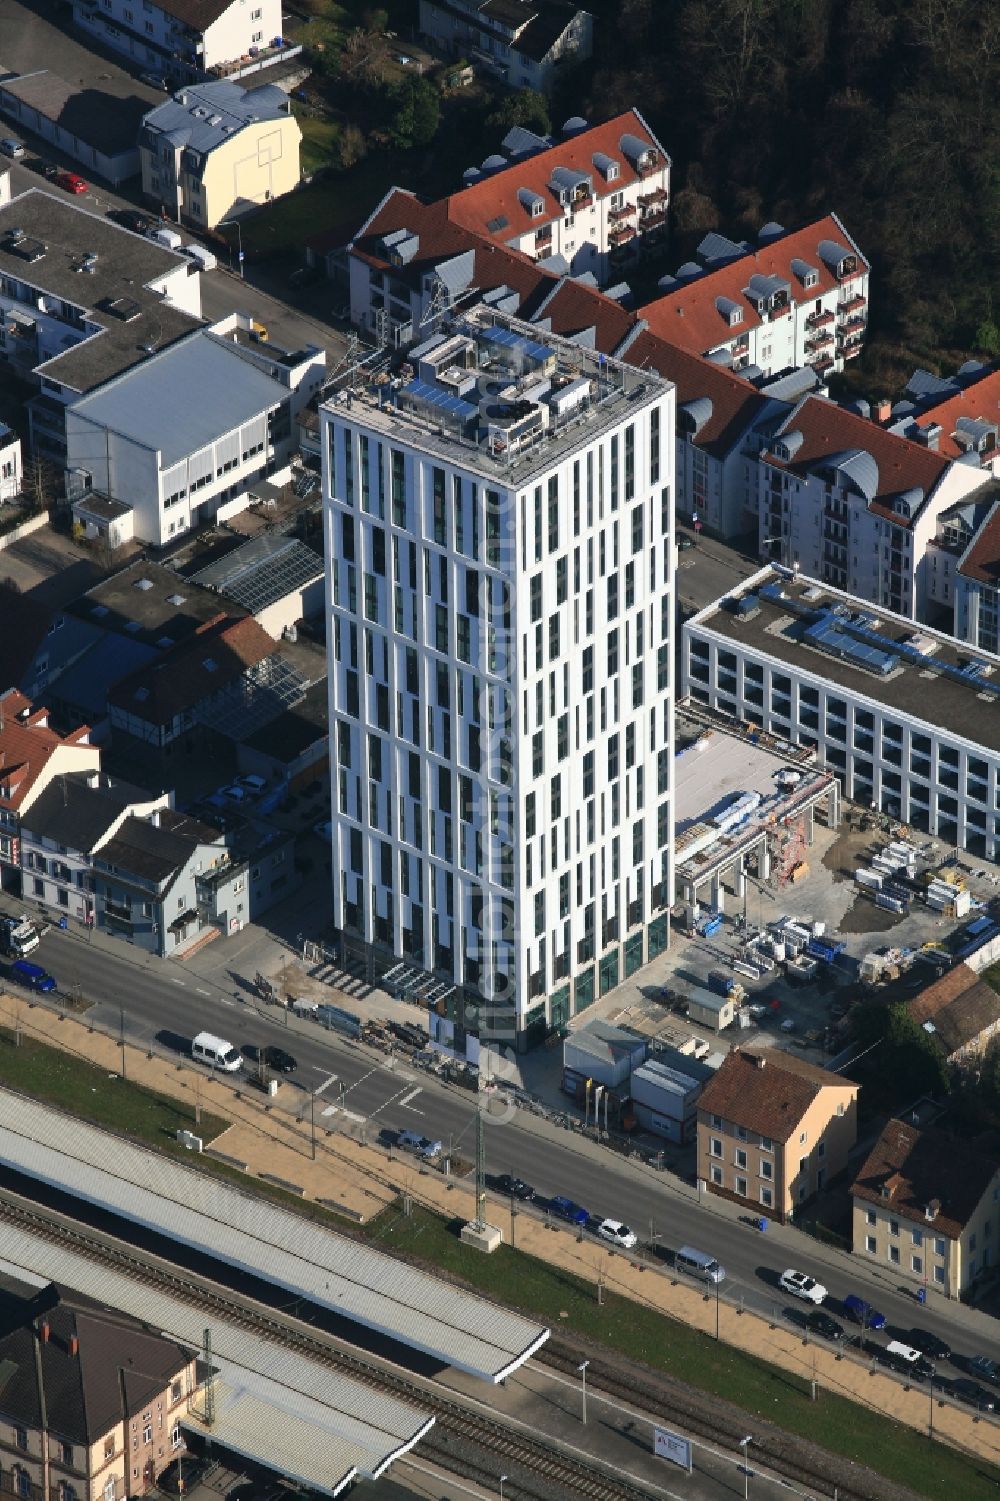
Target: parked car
[(929, 1344), (979, 1365), (907, 1360), (567, 1210), (971, 1392), (618, 1234), (424, 1146), (131, 218), (32, 975), (155, 81), (801, 1285), (863, 1313), (235, 793), (684, 543), (514, 1188), (276, 1059), (822, 1324), (10, 147), (71, 182)]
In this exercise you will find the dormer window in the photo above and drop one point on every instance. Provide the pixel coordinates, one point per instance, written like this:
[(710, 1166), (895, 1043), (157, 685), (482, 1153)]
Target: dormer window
[(612, 171), (810, 279)]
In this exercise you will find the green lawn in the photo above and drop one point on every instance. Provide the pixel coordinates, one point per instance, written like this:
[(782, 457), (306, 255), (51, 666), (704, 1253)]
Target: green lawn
[(344, 199), (319, 137), (567, 1304)]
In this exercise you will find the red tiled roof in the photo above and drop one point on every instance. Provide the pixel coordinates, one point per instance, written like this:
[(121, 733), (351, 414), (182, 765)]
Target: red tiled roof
[(26, 744), (925, 1176), (688, 316), (982, 557), (573, 307), (980, 401), (220, 651), (477, 206), (735, 403), (828, 429), (767, 1091), (960, 1007)]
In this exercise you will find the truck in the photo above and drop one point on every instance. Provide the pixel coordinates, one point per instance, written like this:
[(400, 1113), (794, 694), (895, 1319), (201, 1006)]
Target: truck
[(826, 950), (720, 983), (18, 937)]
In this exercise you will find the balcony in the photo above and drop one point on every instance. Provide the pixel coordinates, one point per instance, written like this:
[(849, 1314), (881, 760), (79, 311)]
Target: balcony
[(543, 238), (856, 324), (621, 236), (647, 200), (850, 303), (624, 211), (647, 167), (819, 341), (652, 220), (585, 200), (819, 320)]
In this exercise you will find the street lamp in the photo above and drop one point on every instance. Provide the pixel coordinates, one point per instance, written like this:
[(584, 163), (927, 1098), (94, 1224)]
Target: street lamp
[(502, 1479), (930, 1410), (224, 224), (583, 1378), (746, 1468)]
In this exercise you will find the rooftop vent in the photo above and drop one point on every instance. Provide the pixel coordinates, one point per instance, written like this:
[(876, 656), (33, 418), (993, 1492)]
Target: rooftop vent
[(574, 125), (769, 231), (689, 269), (143, 584)]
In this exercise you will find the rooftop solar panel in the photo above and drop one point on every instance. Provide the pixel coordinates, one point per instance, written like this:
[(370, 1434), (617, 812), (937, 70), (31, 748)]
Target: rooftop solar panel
[(419, 390), (509, 340)]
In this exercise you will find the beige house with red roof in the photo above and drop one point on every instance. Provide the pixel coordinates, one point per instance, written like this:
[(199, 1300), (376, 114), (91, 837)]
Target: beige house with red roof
[(792, 299), (927, 1207), (31, 754), (773, 1129), (523, 42), (847, 502)]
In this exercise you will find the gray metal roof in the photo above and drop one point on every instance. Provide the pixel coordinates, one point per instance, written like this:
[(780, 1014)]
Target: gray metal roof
[(262, 571), (309, 1422), (183, 398), (203, 115), (860, 468), (250, 1233)]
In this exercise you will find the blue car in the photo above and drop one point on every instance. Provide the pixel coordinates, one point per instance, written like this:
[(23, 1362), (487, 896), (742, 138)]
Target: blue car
[(32, 975), (863, 1313), (567, 1210)]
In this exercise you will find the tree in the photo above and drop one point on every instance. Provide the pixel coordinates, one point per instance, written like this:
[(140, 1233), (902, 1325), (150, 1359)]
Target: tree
[(905, 1058), (351, 146), (523, 107), (416, 112)]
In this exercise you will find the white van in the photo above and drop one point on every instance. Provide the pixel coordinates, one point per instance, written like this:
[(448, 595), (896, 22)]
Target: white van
[(216, 1052), (253, 783), (699, 1264)]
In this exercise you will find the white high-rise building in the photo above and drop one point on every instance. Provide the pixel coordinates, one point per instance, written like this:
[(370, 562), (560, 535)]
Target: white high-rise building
[(500, 567)]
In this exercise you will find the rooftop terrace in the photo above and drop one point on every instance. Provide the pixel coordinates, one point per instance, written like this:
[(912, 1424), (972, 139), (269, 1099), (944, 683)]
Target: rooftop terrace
[(497, 395), (909, 670)]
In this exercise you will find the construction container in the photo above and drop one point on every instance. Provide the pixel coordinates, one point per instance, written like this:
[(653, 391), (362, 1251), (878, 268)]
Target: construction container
[(890, 903), (870, 879), (603, 1053)]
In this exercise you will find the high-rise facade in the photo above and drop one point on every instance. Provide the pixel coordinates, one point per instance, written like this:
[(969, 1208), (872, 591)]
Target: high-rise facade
[(500, 567)]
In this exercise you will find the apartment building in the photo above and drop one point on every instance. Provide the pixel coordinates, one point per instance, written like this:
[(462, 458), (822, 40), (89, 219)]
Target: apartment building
[(81, 301), (796, 298), (66, 825), (31, 755), (773, 1130), (927, 1207), (184, 39), (525, 43), (182, 438), (500, 576), (907, 719), (11, 464), (218, 149), (845, 501), (591, 201), (957, 415), (970, 575), (93, 1400)]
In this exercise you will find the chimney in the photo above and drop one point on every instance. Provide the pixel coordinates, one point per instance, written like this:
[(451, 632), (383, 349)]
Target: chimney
[(882, 409), (930, 436), (74, 1345), (43, 1331), (760, 1061)]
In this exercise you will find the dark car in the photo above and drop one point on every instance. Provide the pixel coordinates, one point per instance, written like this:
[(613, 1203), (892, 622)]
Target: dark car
[(979, 1365), (971, 1392), (183, 1474), (821, 1323), (515, 1188), (684, 543), (928, 1344), (276, 1059), (567, 1210), (863, 1313), (131, 218), (32, 975)]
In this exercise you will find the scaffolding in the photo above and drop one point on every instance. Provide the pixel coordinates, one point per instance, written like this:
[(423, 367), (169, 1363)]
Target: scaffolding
[(788, 846)]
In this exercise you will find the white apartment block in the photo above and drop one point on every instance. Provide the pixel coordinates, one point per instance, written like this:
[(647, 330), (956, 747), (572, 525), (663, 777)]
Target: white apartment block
[(523, 44), (499, 535), (909, 721), (182, 39), (957, 415), (11, 464), (845, 501), (793, 299)]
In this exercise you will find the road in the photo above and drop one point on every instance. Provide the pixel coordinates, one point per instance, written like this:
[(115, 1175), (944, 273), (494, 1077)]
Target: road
[(164, 1005)]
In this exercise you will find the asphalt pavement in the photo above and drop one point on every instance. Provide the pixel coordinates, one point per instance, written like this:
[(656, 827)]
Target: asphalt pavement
[(162, 1005)]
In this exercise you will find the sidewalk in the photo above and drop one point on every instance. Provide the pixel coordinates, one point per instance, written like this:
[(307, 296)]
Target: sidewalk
[(359, 1179)]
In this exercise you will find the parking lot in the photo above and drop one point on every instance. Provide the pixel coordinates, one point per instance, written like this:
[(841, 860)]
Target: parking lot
[(41, 35)]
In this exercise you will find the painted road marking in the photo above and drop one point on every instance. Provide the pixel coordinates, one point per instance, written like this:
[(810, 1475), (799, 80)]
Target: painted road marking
[(174, 980), (202, 992), (325, 1084), (351, 1115), (405, 1101)]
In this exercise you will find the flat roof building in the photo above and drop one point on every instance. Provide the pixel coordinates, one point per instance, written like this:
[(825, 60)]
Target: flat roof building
[(907, 718), (500, 546)]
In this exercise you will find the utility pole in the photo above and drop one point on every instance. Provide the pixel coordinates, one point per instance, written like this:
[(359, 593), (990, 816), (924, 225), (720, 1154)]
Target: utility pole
[(583, 1388), (121, 1037), (312, 1124), (480, 1169)]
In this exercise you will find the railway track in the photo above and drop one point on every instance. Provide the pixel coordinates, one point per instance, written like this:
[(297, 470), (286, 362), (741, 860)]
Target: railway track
[(471, 1444)]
